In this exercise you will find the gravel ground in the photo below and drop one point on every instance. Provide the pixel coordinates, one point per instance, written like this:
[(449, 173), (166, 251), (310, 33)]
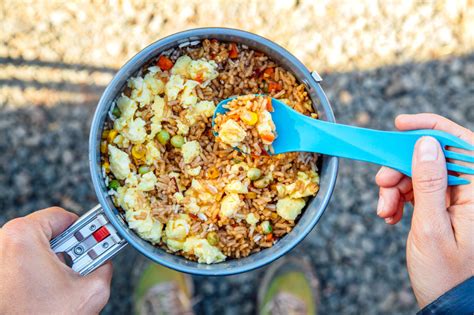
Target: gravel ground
[(55, 60)]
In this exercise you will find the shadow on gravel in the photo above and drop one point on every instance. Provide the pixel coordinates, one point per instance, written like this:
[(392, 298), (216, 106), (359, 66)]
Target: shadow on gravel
[(55, 64), (360, 260)]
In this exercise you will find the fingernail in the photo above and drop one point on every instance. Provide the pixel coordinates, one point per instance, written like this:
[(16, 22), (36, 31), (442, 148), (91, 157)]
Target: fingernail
[(427, 149), (388, 220), (380, 205)]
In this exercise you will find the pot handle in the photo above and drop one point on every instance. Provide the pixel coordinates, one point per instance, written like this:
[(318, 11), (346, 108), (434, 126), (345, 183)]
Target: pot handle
[(89, 242)]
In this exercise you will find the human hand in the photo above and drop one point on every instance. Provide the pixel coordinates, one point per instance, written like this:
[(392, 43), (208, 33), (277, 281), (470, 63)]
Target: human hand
[(440, 245), (34, 280)]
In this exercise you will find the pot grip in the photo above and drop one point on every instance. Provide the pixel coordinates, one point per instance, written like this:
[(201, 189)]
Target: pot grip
[(89, 242)]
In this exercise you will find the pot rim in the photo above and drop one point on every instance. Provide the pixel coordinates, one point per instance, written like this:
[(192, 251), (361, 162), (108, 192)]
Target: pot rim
[(235, 266)]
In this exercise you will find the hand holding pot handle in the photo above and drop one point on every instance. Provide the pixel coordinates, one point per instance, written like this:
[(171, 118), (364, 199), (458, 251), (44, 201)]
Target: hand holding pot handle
[(35, 280)]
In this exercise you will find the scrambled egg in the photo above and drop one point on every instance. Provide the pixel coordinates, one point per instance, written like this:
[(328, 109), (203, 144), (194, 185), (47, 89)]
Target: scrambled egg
[(205, 108), (237, 168), (140, 91), (147, 182), (251, 219), (152, 153), (127, 107), (192, 206), (174, 245), (179, 197), (173, 87), (178, 229), (231, 133), (183, 129), (306, 185), (202, 70), (205, 252), (230, 204), (138, 212), (158, 108), (188, 96), (190, 150), (119, 162), (181, 66), (237, 187), (289, 208), (198, 192), (131, 180), (135, 131), (155, 85), (194, 171), (121, 141), (148, 229)]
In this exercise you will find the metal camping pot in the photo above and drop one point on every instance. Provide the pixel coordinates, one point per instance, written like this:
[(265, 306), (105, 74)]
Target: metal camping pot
[(102, 232)]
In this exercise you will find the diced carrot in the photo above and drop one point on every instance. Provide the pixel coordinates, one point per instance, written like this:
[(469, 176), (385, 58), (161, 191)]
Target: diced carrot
[(268, 72), (269, 237), (233, 52), (268, 137), (200, 77), (235, 117), (274, 87), (269, 104), (164, 63)]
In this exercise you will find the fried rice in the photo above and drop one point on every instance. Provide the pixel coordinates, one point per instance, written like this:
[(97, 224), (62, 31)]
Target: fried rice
[(178, 187), (247, 124)]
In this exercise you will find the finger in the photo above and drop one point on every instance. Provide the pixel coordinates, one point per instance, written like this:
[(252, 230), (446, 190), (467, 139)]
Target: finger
[(389, 199), (397, 216), (52, 221), (429, 178), (433, 121), (97, 287), (387, 177), (101, 276), (401, 192)]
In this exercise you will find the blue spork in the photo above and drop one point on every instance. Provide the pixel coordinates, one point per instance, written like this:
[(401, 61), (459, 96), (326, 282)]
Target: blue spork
[(299, 133)]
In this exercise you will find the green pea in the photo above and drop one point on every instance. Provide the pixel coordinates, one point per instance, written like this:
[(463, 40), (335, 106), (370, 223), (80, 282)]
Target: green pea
[(266, 227), (212, 238), (177, 141), (116, 112), (163, 137), (254, 173), (114, 184), (143, 169)]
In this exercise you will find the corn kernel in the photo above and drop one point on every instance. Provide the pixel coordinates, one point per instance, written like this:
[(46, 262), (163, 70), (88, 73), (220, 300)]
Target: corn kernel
[(103, 147), (138, 151), (111, 136), (106, 166), (212, 173), (251, 195), (105, 134), (249, 118)]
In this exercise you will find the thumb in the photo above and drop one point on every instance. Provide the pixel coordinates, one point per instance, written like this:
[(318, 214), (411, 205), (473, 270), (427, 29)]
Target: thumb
[(429, 178)]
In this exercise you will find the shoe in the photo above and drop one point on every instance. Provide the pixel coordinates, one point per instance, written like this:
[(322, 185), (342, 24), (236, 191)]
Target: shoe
[(289, 287), (162, 291)]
